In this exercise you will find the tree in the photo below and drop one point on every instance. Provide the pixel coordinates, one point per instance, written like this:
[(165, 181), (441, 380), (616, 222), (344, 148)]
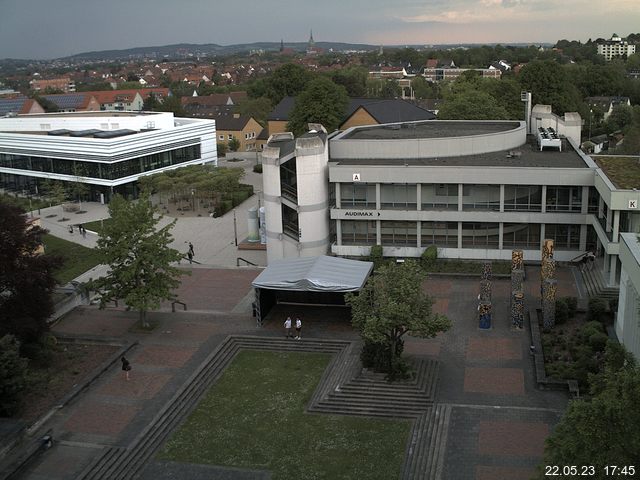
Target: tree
[(549, 84), (392, 304), (26, 277), (234, 144), (172, 104), (472, 105), (139, 257), (55, 191), (13, 375), (353, 79), (222, 148), (257, 108), (286, 81), (321, 102), (602, 430)]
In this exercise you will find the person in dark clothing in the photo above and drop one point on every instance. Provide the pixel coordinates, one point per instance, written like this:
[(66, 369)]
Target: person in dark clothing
[(126, 367)]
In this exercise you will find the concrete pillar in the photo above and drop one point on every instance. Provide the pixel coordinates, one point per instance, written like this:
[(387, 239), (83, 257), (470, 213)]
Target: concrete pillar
[(609, 218), (584, 208), (419, 233), (378, 199), (543, 200), (459, 234), (460, 195), (616, 225), (600, 207), (501, 209), (542, 235), (501, 228), (419, 196), (378, 232), (613, 270), (338, 197), (583, 238), (339, 232)]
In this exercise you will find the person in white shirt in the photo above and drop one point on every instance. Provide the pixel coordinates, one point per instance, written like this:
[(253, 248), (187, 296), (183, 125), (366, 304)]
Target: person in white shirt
[(287, 327), (298, 328)]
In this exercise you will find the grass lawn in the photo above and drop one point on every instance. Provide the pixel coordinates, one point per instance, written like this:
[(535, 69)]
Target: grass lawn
[(97, 225), (623, 171), (253, 417), (77, 259)]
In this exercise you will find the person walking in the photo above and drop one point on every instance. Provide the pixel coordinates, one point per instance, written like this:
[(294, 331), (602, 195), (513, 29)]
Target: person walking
[(298, 328), (71, 229), (193, 253), (287, 328), (83, 231), (126, 367), (190, 256)]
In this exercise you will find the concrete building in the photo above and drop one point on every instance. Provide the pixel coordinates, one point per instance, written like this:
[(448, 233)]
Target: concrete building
[(109, 151), (615, 47), (627, 323), (65, 84)]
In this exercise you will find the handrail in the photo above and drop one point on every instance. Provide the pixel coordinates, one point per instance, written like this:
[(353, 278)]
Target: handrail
[(246, 261), (578, 257)]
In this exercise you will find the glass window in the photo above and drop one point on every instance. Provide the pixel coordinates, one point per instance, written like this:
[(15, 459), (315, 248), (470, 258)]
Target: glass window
[(439, 196), (398, 233), (441, 234), (521, 235), (290, 222), (481, 197), (357, 195), (480, 235), (565, 237), (358, 232), (398, 196), (522, 198), (564, 199), (594, 199)]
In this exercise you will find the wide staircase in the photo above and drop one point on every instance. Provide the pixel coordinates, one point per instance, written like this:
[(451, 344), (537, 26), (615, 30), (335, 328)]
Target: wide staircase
[(345, 389), (596, 286)]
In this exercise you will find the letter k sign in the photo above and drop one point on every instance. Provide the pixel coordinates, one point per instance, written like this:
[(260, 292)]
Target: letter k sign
[(633, 204)]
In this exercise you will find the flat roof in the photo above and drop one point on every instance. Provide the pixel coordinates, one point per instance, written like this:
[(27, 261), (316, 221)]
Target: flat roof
[(527, 155), (429, 129), (624, 172), (101, 113)]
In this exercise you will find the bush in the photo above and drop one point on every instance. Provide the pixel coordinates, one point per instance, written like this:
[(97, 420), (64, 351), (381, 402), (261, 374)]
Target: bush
[(598, 341), (257, 168), (562, 311), (572, 303), (429, 257), (222, 149), (375, 256), (13, 375), (590, 328), (377, 356), (597, 309)]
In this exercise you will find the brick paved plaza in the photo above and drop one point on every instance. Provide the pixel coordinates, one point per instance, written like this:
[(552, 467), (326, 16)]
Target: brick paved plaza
[(499, 418)]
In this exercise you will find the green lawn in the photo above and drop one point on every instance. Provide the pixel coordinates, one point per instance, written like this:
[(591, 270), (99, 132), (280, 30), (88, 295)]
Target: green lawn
[(97, 225), (77, 259), (623, 171), (253, 417)]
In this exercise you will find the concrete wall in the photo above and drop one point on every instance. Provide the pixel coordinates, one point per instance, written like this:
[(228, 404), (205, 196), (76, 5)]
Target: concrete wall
[(85, 121), (570, 125), (627, 323), (271, 194)]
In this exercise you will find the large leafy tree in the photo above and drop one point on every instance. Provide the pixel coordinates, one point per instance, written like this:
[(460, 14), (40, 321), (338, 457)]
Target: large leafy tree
[(602, 430), (321, 102), (26, 277), (393, 304), (549, 84), (286, 81), (141, 263), (472, 105), (13, 375)]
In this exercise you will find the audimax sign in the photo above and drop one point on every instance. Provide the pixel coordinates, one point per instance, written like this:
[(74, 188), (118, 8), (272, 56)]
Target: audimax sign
[(361, 213)]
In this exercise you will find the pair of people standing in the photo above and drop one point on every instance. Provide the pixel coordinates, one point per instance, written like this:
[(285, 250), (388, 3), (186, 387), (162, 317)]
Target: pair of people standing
[(287, 327)]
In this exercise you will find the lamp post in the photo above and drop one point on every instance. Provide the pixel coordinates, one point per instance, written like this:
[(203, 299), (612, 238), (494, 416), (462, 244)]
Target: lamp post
[(235, 228), (590, 115)]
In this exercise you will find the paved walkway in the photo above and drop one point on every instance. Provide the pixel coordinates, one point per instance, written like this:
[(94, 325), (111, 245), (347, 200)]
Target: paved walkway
[(499, 419)]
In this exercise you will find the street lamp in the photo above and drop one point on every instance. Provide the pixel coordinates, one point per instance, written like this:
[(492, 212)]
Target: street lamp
[(590, 115), (235, 227)]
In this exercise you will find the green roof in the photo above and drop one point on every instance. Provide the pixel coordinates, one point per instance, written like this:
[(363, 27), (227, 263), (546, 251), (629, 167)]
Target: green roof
[(624, 172)]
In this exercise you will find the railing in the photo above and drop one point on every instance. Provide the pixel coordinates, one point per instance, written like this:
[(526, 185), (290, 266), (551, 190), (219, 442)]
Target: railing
[(289, 192), (239, 259)]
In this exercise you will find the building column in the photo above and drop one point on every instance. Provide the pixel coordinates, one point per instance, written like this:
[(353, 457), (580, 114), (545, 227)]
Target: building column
[(339, 233), (378, 233), (378, 201), (584, 208), (616, 225), (460, 195), (459, 234), (419, 196), (542, 235), (583, 238), (608, 221), (613, 269), (501, 225), (418, 234), (338, 198), (501, 210), (600, 207), (543, 199)]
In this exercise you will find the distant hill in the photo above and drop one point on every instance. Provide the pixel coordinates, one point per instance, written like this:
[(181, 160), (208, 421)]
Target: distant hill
[(208, 49)]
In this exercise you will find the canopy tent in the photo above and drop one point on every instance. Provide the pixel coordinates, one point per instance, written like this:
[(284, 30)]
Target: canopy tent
[(315, 274), (308, 280)]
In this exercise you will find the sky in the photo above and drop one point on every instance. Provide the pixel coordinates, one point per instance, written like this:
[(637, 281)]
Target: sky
[(44, 29)]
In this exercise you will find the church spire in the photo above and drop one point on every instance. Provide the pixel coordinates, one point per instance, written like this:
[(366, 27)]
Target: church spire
[(311, 42), (281, 45)]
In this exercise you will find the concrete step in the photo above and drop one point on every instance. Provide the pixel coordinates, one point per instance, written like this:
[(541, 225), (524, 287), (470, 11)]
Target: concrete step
[(364, 411)]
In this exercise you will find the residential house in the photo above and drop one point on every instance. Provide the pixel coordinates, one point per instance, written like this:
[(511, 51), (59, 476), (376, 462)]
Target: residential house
[(19, 106), (74, 102), (241, 127), (615, 47), (607, 104), (63, 83)]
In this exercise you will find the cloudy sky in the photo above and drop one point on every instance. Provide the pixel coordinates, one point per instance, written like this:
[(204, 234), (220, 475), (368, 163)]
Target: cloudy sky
[(54, 28)]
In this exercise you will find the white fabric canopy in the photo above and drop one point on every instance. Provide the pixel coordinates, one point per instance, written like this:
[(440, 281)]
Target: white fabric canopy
[(315, 274)]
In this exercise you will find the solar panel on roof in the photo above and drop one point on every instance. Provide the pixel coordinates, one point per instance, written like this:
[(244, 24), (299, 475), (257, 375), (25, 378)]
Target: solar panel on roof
[(11, 105), (71, 100)]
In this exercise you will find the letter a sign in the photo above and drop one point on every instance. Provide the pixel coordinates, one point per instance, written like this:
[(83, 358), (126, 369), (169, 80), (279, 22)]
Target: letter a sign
[(356, 177)]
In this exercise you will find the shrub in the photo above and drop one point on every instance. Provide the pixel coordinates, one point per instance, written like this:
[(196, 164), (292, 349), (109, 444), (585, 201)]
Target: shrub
[(429, 256), (598, 341), (375, 256), (562, 311), (222, 149), (13, 375), (597, 308), (572, 303), (257, 168)]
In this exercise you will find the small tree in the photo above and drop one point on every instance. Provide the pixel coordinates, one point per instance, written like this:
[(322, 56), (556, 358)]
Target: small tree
[(234, 144), (139, 257), (323, 102), (392, 304), (222, 148), (13, 375), (55, 191)]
